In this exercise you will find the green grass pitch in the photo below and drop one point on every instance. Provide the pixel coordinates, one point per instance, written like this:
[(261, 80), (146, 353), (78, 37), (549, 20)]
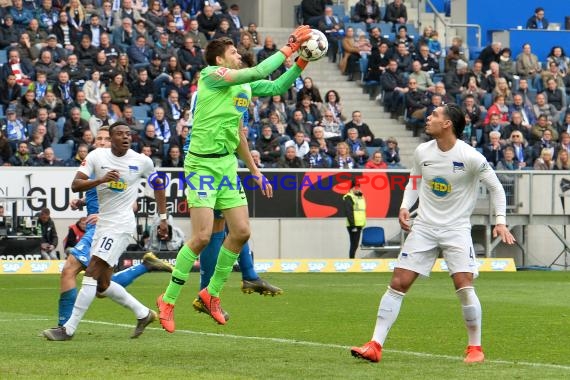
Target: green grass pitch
[(304, 334)]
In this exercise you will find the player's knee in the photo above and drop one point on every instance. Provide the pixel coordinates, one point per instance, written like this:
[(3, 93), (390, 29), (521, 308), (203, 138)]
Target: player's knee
[(200, 240), (241, 233), (399, 285)]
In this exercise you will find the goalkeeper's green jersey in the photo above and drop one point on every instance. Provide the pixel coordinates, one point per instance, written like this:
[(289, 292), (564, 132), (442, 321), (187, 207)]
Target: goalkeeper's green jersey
[(223, 96)]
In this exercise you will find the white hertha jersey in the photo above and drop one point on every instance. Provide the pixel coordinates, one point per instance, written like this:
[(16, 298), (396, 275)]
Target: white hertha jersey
[(116, 198), (448, 185)]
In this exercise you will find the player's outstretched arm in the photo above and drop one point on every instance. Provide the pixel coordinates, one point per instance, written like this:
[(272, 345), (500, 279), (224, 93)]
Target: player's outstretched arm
[(281, 84), (224, 77), (245, 155)]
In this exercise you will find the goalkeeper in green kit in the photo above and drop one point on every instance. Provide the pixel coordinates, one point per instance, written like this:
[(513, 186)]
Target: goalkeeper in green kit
[(224, 93)]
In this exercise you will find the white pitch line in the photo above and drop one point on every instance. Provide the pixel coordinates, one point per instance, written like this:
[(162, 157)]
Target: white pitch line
[(339, 346)]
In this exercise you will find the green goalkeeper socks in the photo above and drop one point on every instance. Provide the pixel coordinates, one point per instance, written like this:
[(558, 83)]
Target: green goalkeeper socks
[(184, 262), (224, 266)]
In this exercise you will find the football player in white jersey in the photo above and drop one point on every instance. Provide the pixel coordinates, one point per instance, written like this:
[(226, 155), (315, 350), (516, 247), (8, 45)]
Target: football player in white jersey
[(445, 177), (117, 172)]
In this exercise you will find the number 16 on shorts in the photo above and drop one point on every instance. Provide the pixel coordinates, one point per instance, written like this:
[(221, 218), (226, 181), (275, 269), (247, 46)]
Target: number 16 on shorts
[(109, 246)]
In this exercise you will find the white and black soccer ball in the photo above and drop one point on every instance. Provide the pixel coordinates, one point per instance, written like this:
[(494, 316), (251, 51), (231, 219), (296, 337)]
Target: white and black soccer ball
[(316, 47)]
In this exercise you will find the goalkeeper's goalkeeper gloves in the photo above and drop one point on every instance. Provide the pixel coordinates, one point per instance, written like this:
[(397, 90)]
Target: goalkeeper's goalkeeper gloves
[(299, 35)]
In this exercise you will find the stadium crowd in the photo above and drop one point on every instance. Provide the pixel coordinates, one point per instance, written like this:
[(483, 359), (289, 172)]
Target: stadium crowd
[(72, 66)]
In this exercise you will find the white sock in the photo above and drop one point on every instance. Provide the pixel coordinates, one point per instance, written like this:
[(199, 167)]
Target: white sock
[(84, 298), (471, 313), (387, 314), (120, 295)]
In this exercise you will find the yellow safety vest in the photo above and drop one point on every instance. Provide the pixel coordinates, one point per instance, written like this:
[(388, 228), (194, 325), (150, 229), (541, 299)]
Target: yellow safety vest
[(359, 209)]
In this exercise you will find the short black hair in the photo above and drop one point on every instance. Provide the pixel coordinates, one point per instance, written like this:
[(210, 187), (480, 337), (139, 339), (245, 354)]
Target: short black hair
[(117, 124), (457, 117)]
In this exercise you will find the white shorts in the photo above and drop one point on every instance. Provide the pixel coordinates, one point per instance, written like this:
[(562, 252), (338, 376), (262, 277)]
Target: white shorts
[(423, 244), (109, 245)]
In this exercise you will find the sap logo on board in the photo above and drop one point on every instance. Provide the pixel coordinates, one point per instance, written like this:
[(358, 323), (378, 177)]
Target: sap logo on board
[(368, 266), (39, 267), (263, 267), (317, 266), (499, 265), (11, 267), (289, 267), (342, 266)]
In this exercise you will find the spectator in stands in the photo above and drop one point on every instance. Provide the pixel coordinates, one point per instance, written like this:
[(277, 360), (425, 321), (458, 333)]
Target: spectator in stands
[(456, 80), (502, 88), (309, 109), (351, 55), (5, 149), (191, 58), (344, 158), (473, 90), (553, 72), (74, 127), (508, 162), (434, 45), (357, 147), (199, 38), (364, 132), (156, 145), (312, 10), (298, 123), (278, 127), (543, 108), (325, 145), (376, 161), (555, 95), (558, 56), (537, 21), (84, 106), (255, 36), (47, 15), (47, 65), (10, 92), (565, 126), (528, 66), (528, 97), (378, 62), (416, 101), (396, 13), (542, 125), (428, 63), (493, 150), (333, 130), (422, 78), (333, 28), (27, 107), (392, 153), (20, 15), (76, 71), (562, 160), (126, 10), (88, 139), (9, 35), (139, 53), (52, 133), (120, 94), (492, 76), (22, 69), (453, 56), (425, 36), (517, 125), (506, 64), (86, 52), (332, 103), (37, 144), (49, 239), (48, 158), (93, 30), (14, 128), (527, 114), (290, 160), (65, 90), (275, 104), (124, 35), (257, 159), (208, 22), (62, 38), (315, 159), (394, 89), (156, 16), (163, 129), (477, 72), (367, 11), (268, 146), (93, 88), (269, 48), (40, 86), (173, 158), (100, 118), (491, 53), (22, 156), (75, 232), (498, 108), (436, 101), (545, 161), (299, 143), (495, 125), (404, 59), (472, 108), (522, 151), (402, 37), (77, 159)]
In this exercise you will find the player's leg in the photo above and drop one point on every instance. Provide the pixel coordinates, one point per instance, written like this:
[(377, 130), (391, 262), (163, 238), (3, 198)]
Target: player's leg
[(251, 282), (68, 288), (150, 263), (414, 260), (202, 220), (459, 255), (209, 255)]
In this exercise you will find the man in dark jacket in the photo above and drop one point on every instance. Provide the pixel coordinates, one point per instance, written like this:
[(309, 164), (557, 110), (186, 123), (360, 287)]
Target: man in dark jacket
[(394, 89), (49, 239)]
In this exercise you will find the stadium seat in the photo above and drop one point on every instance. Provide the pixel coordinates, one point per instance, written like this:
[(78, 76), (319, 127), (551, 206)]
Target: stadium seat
[(355, 26), (338, 10), (374, 239), (62, 151), (371, 150), (140, 113), (3, 57)]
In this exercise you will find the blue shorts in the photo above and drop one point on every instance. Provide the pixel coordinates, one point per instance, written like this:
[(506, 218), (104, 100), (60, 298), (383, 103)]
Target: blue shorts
[(218, 214), (82, 250)]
